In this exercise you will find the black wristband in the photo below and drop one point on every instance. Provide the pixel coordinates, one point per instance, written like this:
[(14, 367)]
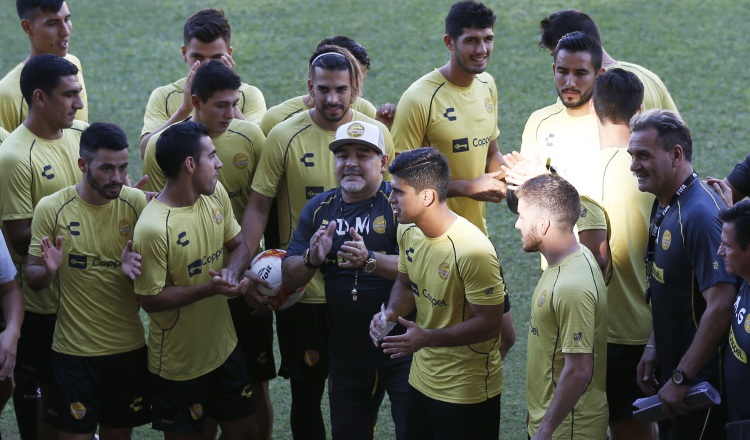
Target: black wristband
[(512, 199)]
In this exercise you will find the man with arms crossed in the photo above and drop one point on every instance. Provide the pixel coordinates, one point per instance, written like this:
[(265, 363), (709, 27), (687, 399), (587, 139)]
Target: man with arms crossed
[(296, 165), (454, 109), (99, 352), (215, 95), (205, 36), (566, 357), (38, 159), (617, 97), (691, 293), (182, 235), (349, 234), (449, 273), (48, 25)]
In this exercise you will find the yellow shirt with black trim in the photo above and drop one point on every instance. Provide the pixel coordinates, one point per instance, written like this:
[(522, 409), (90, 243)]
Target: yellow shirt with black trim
[(238, 148), (568, 316), (179, 247), (13, 108), (629, 212), (98, 310), (293, 106), (571, 143), (295, 166), (447, 274), (32, 168), (459, 121), (166, 100)]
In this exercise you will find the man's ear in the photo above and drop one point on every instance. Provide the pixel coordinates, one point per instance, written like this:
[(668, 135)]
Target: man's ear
[(448, 42), (26, 26), (82, 165), (184, 53)]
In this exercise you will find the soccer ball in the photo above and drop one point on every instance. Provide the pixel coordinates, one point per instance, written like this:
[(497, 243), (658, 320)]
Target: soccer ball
[(267, 266)]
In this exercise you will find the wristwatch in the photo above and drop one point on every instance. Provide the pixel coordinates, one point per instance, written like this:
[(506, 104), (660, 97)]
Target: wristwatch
[(370, 263), (306, 259), (679, 377)]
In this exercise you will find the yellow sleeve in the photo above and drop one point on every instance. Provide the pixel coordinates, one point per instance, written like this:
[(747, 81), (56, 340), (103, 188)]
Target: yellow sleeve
[(592, 216), (42, 225), (16, 201), (253, 104), (10, 102), (150, 241), (156, 179), (481, 274), (155, 115), (231, 227), (271, 166), (410, 122), (259, 140), (493, 88)]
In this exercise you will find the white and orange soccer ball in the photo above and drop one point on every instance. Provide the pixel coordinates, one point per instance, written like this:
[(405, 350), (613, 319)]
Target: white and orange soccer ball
[(267, 265)]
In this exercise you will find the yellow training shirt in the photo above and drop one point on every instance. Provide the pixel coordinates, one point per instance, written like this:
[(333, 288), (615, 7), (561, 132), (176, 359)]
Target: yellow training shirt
[(293, 106)]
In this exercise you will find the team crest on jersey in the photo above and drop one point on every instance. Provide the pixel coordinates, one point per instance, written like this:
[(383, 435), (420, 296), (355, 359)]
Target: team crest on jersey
[(488, 105), (196, 411), (542, 299), (378, 225), (355, 130), (747, 324), (577, 336), (77, 410), (489, 291), (124, 227), (666, 240), (311, 357), (444, 271), (217, 216), (240, 161)]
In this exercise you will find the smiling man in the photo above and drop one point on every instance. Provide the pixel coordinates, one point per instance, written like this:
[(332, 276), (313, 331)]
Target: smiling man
[(38, 159), (567, 136), (690, 291), (48, 26)]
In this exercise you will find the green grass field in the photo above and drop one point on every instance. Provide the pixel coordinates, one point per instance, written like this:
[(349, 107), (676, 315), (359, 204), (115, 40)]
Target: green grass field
[(130, 47)]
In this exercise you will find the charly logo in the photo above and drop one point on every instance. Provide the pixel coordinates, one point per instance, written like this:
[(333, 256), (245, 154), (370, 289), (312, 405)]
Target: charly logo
[(240, 161), (542, 299), (666, 240), (444, 271), (304, 160), (448, 115), (77, 410), (181, 239), (137, 404), (489, 105), (124, 227), (46, 172), (72, 228), (378, 225), (247, 392), (409, 253), (584, 212), (355, 130)]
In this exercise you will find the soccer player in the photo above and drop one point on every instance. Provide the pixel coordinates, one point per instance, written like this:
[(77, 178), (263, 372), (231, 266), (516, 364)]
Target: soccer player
[(215, 95), (617, 97), (566, 137), (182, 236), (563, 22), (566, 357), (449, 273), (293, 106), (735, 238), (11, 303), (295, 166), (48, 25), (38, 159), (205, 36), (454, 109), (349, 234), (99, 351), (690, 291)]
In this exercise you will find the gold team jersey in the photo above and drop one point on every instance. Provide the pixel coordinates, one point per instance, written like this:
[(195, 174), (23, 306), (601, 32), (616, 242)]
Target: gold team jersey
[(446, 274), (293, 106), (98, 310), (13, 108), (296, 165), (459, 121), (570, 142), (165, 100), (238, 148), (568, 315), (32, 168), (179, 246), (629, 212)]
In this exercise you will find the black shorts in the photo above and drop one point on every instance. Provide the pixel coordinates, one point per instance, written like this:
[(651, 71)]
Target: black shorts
[(111, 389), (355, 395), (622, 385), (34, 352), (255, 338), (303, 331), (427, 418), (223, 394), (706, 424), (506, 304)]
